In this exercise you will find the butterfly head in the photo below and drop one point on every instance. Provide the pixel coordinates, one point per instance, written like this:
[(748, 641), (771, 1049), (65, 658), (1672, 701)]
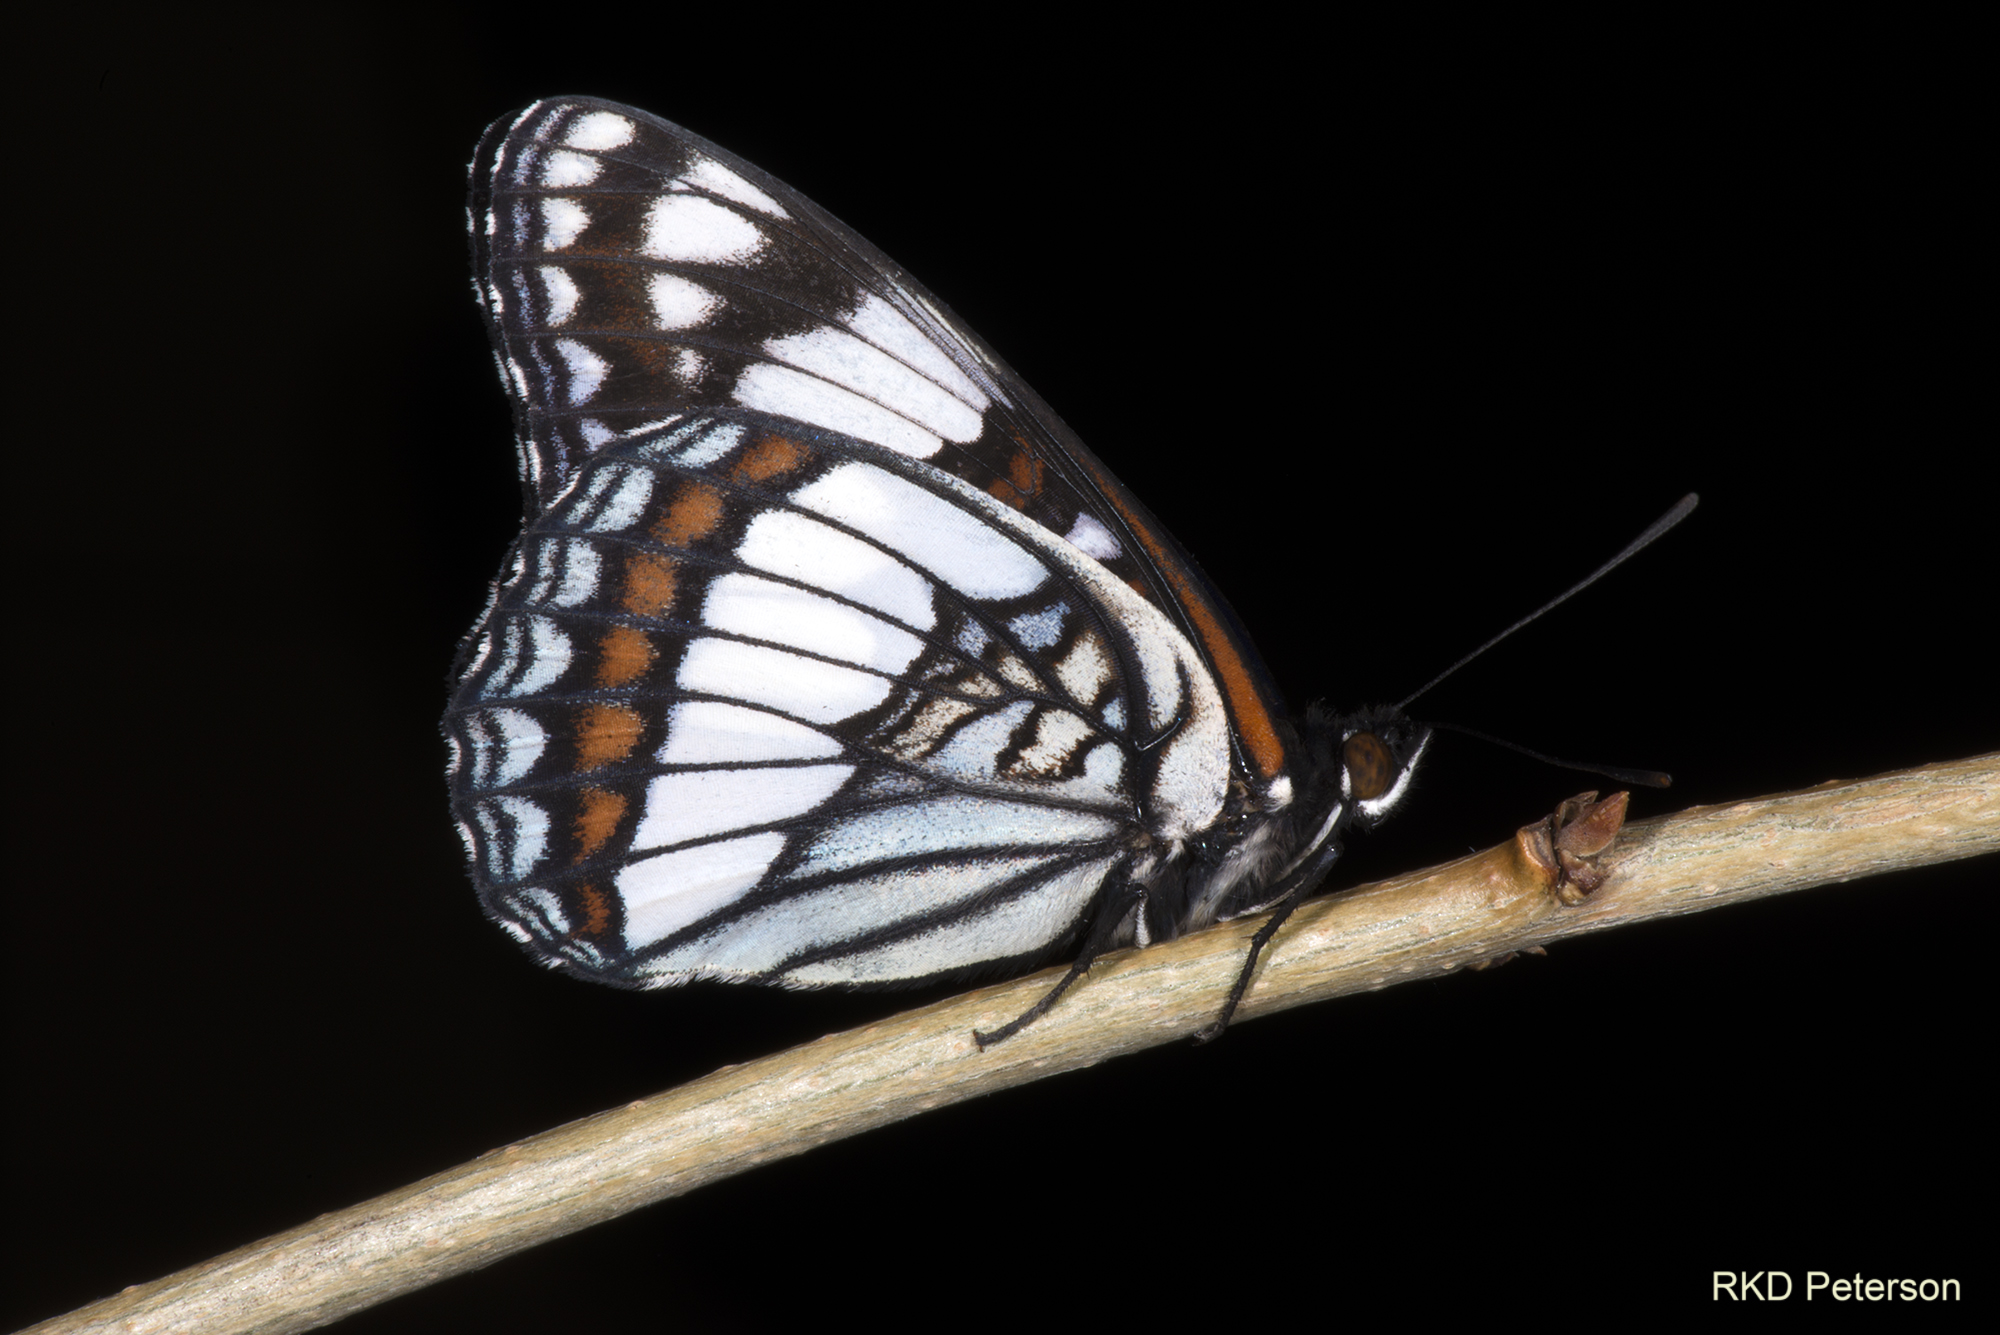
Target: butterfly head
[(1373, 752)]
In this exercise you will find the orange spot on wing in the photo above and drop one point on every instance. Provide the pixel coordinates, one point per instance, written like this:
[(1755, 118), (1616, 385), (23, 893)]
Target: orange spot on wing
[(605, 733), (1025, 472), (768, 458), (597, 819), (623, 656), (692, 514), (649, 584), (596, 911), (1023, 480)]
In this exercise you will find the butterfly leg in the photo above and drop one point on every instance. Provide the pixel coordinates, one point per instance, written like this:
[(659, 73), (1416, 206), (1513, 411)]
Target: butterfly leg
[(1103, 930), (1257, 944)]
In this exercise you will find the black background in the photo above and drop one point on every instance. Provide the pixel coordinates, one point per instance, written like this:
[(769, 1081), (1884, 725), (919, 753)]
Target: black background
[(1398, 336)]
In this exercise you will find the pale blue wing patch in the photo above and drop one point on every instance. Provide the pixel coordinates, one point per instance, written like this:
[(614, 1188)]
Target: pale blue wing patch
[(1026, 924), (763, 940), (690, 805), (797, 547), (714, 732), (942, 825), (959, 547), (664, 894), (805, 688)]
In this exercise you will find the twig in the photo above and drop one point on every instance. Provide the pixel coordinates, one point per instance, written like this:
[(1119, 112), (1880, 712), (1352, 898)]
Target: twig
[(1415, 926)]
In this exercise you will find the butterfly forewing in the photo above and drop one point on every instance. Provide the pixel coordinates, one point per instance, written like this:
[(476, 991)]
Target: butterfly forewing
[(631, 270)]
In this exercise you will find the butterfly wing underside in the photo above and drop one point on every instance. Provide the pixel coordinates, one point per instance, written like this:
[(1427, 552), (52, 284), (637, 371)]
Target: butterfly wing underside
[(826, 656)]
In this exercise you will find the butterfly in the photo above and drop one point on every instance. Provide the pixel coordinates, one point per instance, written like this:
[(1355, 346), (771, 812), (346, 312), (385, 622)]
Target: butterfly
[(829, 655)]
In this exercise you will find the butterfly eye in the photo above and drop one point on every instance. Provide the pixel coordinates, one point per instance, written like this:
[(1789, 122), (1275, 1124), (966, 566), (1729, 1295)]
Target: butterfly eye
[(1370, 767)]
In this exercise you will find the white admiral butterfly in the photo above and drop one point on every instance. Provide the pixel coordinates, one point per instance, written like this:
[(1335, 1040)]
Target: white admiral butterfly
[(829, 655)]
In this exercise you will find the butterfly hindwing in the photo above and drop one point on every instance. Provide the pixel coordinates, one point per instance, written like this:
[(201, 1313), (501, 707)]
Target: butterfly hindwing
[(770, 702)]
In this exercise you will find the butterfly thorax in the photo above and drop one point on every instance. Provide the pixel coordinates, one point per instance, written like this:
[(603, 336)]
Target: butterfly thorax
[(1346, 772)]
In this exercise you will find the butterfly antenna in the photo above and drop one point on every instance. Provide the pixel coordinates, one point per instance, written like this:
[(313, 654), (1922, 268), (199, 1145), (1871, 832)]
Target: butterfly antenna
[(1644, 778), (1658, 527)]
